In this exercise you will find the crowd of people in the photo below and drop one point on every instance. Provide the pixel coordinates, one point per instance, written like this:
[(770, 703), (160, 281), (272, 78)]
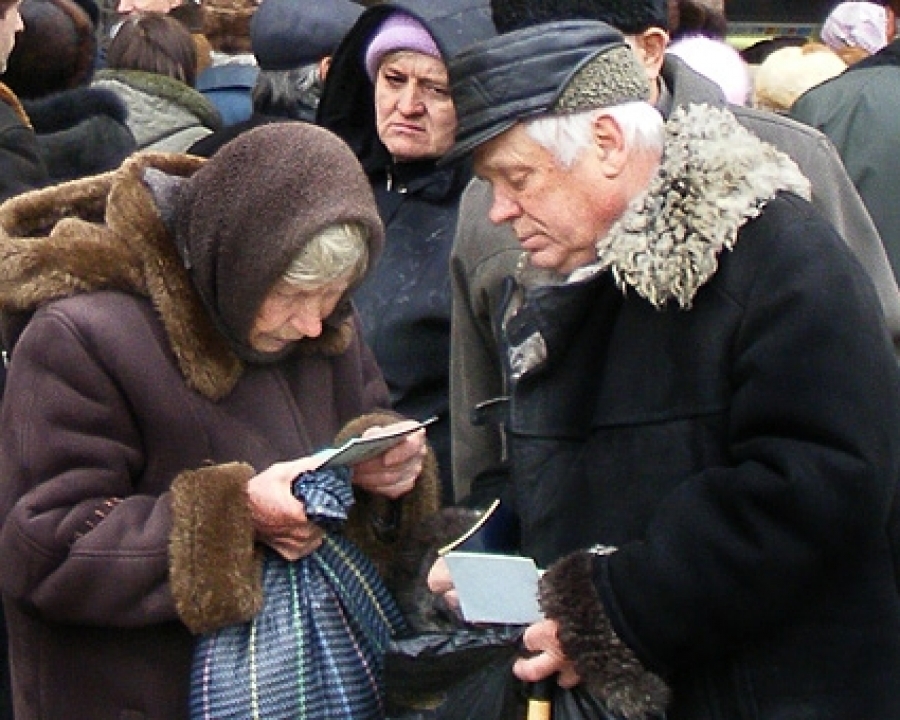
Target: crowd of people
[(647, 283)]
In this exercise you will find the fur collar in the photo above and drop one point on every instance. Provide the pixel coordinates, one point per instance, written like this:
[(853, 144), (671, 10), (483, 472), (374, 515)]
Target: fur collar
[(105, 232), (715, 176)]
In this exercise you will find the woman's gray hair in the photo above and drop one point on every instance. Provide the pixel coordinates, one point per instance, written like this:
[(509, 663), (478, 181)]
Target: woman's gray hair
[(335, 252), (567, 135), (293, 93)]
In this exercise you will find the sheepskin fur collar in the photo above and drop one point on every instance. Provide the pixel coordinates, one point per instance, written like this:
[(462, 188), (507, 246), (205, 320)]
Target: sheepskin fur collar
[(715, 176), (106, 232)]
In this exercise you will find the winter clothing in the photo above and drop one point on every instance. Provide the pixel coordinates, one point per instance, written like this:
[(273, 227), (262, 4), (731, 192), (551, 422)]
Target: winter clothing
[(856, 24), (81, 132), (675, 443), (857, 110), (228, 84), (489, 105), (789, 72), (21, 164), (627, 16), (286, 34), (405, 303), (164, 114), (484, 254), (125, 328), (398, 32)]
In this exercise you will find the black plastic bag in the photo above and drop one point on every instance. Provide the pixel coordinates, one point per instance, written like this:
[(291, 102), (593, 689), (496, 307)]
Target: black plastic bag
[(466, 674)]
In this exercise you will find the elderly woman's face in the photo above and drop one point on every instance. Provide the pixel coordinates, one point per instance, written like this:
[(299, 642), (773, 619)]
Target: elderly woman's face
[(414, 113), (290, 313)]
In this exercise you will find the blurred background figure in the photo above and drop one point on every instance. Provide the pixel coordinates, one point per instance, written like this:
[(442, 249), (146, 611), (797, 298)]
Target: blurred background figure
[(718, 61), (228, 81), (697, 17), (855, 30), (789, 72), (292, 43), (151, 65), (387, 95), (857, 110), (189, 13), (80, 131)]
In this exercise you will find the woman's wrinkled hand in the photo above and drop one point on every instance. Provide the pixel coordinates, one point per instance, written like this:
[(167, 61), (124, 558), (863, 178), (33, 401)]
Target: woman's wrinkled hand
[(278, 517), (394, 473), (547, 659)]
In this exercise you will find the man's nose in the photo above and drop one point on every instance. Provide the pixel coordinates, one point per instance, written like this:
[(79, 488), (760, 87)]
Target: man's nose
[(503, 209)]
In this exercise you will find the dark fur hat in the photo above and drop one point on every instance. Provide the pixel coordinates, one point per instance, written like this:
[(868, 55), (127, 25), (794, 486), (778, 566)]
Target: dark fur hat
[(627, 16), (56, 50)]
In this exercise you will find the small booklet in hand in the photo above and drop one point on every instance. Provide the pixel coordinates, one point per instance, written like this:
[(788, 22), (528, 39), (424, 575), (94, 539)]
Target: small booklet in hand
[(493, 587), (360, 449)]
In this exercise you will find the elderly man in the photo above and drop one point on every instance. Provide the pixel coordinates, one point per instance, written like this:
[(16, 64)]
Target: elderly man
[(483, 255), (703, 397)]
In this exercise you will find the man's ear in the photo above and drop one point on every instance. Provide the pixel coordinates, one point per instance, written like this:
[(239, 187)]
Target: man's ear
[(610, 146), (650, 49)]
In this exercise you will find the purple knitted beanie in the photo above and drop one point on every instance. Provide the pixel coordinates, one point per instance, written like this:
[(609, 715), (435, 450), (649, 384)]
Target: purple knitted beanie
[(398, 32)]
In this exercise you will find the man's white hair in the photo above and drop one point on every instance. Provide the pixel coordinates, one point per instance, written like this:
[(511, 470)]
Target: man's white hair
[(567, 135)]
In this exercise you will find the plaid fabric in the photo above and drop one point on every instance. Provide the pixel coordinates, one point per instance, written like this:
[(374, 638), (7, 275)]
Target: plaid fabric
[(316, 648)]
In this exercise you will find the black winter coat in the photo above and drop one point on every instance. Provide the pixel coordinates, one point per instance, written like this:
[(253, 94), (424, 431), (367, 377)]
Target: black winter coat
[(731, 441)]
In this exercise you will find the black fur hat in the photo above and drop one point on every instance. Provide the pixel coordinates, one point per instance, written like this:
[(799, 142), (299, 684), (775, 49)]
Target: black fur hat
[(627, 16)]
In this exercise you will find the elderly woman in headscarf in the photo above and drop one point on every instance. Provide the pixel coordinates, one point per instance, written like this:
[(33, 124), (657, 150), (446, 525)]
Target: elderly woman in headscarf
[(387, 94), (182, 346)]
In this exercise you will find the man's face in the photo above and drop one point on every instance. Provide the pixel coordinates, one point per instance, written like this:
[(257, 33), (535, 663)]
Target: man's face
[(557, 213), (10, 24), (126, 8)]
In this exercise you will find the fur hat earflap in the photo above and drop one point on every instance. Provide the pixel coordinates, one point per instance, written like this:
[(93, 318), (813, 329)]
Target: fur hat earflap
[(226, 24)]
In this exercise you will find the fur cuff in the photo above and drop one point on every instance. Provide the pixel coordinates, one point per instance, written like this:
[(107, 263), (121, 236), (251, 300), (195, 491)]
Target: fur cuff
[(215, 574), (607, 666), (381, 526)]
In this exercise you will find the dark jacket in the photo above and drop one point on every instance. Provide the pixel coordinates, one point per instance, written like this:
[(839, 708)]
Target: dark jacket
[(405, 303), (710, 445), (119, 386), (21, 165), (857, 110), (484, 254), (81, 132)]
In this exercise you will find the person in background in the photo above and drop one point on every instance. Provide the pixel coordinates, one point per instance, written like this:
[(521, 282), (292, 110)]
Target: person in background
[(387, 95), (717, 60), (789, 72), (855, 30), (151, 65), (703, 446), (697, 17), (189, 13), (228, 81), (484, 255), (857, 110), (81, 130), (166, 373)]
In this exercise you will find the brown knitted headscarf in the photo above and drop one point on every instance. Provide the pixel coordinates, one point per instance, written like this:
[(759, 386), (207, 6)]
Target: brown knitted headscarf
[(240, 220)]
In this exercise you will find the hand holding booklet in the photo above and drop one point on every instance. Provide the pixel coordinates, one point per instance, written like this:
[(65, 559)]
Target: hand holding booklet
[(360, 449), (492, 587)]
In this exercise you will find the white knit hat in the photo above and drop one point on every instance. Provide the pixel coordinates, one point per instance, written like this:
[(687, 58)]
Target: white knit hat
[(856, 24)]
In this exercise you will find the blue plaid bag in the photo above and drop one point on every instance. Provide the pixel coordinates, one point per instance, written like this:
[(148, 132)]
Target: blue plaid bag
[(316, 649)]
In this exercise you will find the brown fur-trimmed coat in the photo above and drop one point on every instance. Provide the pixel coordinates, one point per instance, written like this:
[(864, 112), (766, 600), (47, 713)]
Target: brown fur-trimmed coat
[(126, 414)]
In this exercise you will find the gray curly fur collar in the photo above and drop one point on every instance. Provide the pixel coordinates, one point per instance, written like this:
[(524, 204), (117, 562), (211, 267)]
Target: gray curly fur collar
[(714, 177)]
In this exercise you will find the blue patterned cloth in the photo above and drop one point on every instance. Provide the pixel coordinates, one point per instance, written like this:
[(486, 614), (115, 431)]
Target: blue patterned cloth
[(315, 651)]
